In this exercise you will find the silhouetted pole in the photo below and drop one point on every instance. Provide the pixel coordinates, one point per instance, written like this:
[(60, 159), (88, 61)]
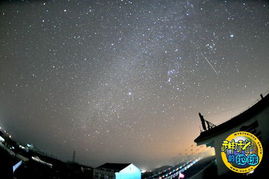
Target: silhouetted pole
[(202, 121), (74, 156)]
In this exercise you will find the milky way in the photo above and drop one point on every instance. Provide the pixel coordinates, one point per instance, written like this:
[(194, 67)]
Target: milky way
[(123, 81)]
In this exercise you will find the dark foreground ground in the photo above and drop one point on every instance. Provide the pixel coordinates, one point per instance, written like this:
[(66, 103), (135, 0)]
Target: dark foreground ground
[(32, 163), (35, 164)]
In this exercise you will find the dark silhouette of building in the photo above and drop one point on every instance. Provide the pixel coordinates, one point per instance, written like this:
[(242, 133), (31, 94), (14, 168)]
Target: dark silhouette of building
[(254, 120)]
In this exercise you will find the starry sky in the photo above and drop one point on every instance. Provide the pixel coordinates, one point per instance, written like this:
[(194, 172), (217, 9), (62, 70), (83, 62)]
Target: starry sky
[(123, 81)]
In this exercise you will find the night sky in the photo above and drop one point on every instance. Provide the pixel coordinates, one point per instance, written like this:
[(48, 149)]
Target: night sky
[(123, 81)]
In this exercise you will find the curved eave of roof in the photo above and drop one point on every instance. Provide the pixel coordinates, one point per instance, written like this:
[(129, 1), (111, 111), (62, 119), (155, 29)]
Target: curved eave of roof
[(113, 166), (235, 121)]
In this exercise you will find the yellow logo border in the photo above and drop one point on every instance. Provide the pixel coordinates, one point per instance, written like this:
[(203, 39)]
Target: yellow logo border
[(259, 147)]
